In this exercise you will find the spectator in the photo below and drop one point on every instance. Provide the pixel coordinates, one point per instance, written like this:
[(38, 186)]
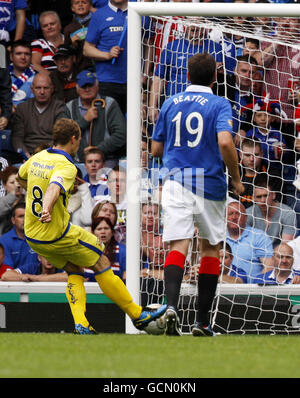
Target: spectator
[(154, 250), (275, 219), (75, 32), (17, 251), (13, 195), (252, 49), (106, 44), (229, 272), (5, 98), (43, 271), (64, 76), (273, 143), (17, 23), (280, 66), (95, 176), (21, 71), (3, 165), (93, 185), (109, 209), (3, 267), (153, 255), (252, 163), (106, 209), (251, 248), (44, 49), (238, 91), (12, 21), (115, 251), (171, 72), (101, 121), (283, 273), (34, 119)]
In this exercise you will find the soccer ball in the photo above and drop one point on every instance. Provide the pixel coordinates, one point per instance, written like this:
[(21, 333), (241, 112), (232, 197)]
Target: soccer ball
[(157, 326)]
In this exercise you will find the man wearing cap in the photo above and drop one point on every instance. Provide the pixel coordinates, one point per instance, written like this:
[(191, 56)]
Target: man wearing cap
[(64, 77), (100, 118)]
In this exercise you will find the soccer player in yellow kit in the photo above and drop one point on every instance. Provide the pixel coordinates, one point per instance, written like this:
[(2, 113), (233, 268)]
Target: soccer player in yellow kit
[(48, 178)]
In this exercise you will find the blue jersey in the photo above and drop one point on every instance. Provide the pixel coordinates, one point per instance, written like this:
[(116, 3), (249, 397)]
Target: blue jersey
[(268, 141), (188, 125), (105, 31), (17, 251), (174, 60), (7, 13)]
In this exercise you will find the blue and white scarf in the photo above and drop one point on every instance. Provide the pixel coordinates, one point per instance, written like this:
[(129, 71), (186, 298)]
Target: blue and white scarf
[(20, 80)]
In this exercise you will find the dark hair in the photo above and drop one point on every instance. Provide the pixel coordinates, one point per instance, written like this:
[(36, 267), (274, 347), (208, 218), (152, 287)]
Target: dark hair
[(202, 69), (227, 247), (263, 180), (117, 169), (252, 40), (246, 58), (20, 205), (109, 250), (64, 129), (20, 43)]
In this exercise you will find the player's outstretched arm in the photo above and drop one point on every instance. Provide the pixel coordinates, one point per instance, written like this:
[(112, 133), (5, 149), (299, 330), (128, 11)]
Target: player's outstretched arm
[(51, 195), (229, 155)]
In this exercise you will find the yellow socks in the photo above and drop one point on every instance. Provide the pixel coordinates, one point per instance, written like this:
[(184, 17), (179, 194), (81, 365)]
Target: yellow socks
[(114, 288), (76, 296)]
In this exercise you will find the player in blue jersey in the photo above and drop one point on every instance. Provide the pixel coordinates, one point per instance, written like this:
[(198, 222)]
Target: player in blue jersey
[(170, 74), (193, 138)]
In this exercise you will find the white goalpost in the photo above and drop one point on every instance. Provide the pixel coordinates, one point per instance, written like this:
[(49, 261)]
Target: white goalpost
[(238, 308)]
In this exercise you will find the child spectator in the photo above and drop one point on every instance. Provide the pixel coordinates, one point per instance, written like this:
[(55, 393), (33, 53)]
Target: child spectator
[(273, 143), (75, 32)]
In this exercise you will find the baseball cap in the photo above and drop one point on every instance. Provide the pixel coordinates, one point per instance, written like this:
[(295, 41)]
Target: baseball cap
[(86, 77), (64, 51)]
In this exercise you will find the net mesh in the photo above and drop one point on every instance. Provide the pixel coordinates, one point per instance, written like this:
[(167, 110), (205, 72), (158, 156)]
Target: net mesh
[(263, 91)]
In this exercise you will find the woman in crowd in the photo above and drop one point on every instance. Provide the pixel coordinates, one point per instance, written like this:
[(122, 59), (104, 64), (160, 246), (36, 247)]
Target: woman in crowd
[(13, 195), (103, 228)]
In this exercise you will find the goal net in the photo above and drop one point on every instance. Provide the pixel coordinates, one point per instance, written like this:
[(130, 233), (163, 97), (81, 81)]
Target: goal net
[(258, 59)]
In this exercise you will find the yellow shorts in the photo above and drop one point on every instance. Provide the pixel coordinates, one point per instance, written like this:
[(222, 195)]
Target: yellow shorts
[(77, 246)]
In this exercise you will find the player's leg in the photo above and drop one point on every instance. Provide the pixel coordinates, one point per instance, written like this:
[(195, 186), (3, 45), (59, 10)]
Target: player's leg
[(76, 297), (177, 204), (173, 274), (211, 229), (209, 271), (115, 289)]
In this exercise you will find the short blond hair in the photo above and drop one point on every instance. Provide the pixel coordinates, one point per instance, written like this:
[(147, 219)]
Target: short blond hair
[(64, 129)]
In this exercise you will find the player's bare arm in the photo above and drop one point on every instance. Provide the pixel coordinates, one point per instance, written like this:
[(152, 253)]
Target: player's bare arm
[(90, 50), (229, 155), (157, 149), (51, 196)]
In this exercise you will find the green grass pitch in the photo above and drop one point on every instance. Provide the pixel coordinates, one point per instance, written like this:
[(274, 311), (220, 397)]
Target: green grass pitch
[(47, 355)]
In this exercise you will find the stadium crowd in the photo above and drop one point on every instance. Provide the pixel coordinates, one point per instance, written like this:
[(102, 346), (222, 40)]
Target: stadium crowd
[(64, 62)]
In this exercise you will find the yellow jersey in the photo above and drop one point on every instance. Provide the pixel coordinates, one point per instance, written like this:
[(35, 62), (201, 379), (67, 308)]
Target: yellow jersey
[(50, 166)]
